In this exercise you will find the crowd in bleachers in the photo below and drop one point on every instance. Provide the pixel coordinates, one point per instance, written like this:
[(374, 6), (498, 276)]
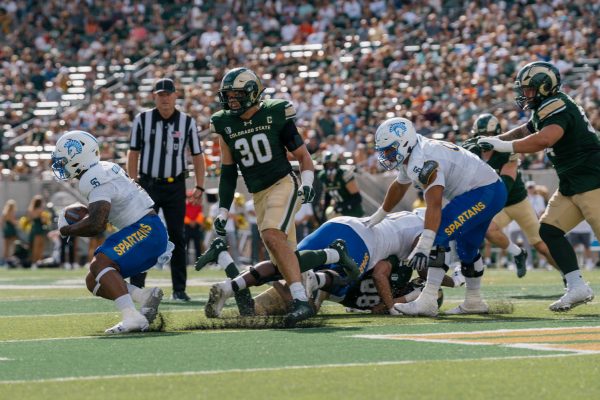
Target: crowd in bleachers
[(346, 65)]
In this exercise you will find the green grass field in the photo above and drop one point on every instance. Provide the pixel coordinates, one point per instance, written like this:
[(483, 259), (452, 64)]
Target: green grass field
[(52, 346)]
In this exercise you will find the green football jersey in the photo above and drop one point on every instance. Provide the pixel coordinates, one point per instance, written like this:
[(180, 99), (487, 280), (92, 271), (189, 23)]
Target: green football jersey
[(576, 155), (518, 192), (256, 144), (334, 186)]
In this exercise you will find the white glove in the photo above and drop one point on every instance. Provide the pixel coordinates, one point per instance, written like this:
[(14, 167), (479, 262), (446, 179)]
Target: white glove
[(376, 218), (220, 222), (62, 221), (493, 143), (419, 257)]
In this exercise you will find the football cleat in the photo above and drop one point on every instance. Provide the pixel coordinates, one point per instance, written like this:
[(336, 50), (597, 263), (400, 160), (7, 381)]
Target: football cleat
[(572, 298), (137, 324), (521, 262), (310, 283), (346, 262), (149, 307), (216, 300), (458, 277), (471, 306), (212, 254), (301, 310), (423, 306)]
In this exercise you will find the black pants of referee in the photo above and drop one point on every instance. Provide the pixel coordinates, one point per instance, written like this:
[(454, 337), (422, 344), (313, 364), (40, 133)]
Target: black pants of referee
[(170, 197)]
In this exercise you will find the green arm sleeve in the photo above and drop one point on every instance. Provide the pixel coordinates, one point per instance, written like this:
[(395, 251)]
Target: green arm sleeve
[(227, 185)]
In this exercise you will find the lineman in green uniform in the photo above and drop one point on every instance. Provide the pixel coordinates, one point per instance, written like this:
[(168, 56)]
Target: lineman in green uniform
[(340, 187), (517, 207), (559, 126), (255, 136)]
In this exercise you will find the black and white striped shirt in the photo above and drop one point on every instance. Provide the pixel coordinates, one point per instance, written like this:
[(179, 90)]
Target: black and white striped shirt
[(161, 142)]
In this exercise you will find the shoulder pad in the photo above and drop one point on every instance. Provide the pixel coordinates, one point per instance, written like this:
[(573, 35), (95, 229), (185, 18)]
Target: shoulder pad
[(285, 106), (550, 107), (95, 177)]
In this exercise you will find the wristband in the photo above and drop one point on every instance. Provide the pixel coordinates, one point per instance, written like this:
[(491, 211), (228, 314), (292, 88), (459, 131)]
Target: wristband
[(307, 177), (200, 188)]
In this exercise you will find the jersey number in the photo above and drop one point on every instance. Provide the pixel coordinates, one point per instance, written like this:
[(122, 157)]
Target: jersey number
[(369, 297), (257, 150)]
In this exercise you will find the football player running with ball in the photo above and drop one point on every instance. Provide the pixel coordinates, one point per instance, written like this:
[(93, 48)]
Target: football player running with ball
[(475, 193), (139, 244), (559, 126), (255, 136)]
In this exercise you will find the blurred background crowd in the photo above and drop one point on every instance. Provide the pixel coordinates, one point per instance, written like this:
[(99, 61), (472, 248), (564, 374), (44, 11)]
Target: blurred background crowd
[(346, 65)]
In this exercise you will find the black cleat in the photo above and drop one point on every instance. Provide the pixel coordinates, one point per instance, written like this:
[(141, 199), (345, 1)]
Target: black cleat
[(346, 262), (521, 262), (212, 254), (301, 311), (180, 295)]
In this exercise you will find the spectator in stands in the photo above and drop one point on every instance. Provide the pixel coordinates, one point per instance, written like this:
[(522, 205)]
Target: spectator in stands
[(162, 171), (536, 199)]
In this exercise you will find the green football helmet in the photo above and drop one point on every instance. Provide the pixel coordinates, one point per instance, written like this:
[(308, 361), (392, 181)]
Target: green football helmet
[(330, 159), (247, 85), (486, 125), (543, 77)]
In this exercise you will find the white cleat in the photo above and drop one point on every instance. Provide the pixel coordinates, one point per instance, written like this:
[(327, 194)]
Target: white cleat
[(470, 307), (138, 324), (149, 307), (309, 281), (422, 306), (572, 298), (216, 300)]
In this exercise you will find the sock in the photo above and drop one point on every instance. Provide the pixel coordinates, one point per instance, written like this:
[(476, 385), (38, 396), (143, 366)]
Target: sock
[(514, 249), (574, 279), (136, 293), (321, 279), (224, 259), (434, 281), (298, 292), (309, 259), (124, 303), (412, 295), (332, 256), (238, 283)]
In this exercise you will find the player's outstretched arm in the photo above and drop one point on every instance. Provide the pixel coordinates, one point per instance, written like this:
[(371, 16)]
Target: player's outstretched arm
[(381, 274)]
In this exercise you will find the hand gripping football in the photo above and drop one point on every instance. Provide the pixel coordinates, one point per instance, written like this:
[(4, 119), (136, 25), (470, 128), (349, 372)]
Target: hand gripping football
[(75, 213)]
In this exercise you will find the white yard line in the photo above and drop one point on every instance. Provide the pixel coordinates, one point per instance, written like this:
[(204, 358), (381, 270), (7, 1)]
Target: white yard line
[(286, 368)]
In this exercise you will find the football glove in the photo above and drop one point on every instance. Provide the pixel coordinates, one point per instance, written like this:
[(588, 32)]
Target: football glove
[(493, 143), (307, 194), (419, 257), (220, 222)]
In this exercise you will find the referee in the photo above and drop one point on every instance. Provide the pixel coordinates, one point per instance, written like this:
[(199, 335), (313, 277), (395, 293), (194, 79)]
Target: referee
[(157, 161)]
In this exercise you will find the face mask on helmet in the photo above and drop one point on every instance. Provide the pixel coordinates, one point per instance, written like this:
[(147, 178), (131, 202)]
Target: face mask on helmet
[(240, 89), (394, 140), (75, 152), (486, 125), (535, 82)]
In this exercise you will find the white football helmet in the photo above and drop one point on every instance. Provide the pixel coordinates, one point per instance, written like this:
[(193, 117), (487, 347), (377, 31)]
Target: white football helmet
[(394, 140), (75, 152)]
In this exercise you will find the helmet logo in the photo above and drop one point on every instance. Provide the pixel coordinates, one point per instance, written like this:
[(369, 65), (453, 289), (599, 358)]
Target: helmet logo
[(73, 147), (398, 128)]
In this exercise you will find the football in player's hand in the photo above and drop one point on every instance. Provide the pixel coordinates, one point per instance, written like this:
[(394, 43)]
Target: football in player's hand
[(75, 213)]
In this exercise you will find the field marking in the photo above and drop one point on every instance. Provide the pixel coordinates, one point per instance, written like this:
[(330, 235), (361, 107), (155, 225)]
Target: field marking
[(542, 339), (271, 369)]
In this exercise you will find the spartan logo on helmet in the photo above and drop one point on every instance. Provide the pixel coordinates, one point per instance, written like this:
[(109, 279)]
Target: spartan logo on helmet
[(535, 82), (240, 89), (486, 125)]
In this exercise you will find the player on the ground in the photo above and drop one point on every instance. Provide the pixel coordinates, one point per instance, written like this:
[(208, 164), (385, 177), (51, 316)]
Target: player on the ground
[(474, 193), (340, 189), (255, 136), (517, 207), (559, 126), (139, 244), (381, 248)]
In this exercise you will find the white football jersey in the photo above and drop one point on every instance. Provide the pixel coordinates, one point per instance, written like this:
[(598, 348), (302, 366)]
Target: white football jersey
[(392, 236), (458, 171), (107, 181)]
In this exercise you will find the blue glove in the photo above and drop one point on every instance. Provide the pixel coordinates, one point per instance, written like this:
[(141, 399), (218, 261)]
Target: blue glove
[(307, 194), (220, 222)]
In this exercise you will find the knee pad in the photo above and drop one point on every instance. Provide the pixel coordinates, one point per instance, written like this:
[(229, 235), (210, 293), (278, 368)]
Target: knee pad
[(550, 232), (261, 280), (473, 269), (437, 257), (99, 276)]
